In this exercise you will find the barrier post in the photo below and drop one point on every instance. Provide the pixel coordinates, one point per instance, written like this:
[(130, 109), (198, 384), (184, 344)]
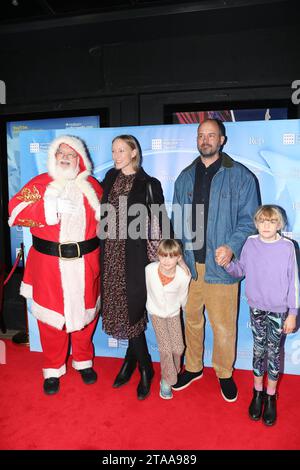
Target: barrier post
[(22, 337)]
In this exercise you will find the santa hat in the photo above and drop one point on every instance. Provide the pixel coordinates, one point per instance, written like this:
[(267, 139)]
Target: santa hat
[(76, 144)]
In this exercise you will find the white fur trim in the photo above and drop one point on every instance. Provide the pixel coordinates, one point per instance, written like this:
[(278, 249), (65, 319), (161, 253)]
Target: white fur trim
[(16, 211), (72, 228), (48, 316), (89, 192), (89, 315), (75, 143), (47, 373), (73, 284), (97, 214), (57, 320), (53, 318), (26, 290), (80, 365), (55, 188)]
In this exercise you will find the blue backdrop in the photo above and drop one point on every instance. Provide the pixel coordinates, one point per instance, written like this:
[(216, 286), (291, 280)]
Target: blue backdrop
[(270, 149)]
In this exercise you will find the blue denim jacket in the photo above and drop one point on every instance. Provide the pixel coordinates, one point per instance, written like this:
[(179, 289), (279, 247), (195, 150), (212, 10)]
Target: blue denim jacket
[(232, 203)]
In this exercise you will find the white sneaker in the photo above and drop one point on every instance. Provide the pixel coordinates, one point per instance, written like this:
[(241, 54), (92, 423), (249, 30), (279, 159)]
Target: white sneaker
[(165, 390)]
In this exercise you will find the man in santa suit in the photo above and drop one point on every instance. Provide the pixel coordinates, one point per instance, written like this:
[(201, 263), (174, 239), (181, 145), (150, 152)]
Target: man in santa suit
[(62, 273)]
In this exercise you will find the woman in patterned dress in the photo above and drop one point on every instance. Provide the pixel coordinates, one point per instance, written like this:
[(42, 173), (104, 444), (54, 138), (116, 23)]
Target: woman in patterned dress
[(123, 258)]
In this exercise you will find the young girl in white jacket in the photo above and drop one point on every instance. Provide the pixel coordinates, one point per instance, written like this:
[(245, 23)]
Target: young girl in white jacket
[(167, 288)]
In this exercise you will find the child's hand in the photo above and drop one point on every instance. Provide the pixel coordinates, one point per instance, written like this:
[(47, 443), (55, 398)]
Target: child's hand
[(289, 324), (223, 255), (221, 262)]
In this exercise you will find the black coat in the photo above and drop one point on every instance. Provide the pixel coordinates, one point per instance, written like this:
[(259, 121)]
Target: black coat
[(135, 250)]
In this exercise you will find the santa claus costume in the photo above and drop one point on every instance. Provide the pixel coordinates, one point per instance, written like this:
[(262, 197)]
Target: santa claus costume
[(62, 272)]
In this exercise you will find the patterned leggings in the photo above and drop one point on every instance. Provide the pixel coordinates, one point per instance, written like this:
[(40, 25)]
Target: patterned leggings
[(267, 330), (168, 334)]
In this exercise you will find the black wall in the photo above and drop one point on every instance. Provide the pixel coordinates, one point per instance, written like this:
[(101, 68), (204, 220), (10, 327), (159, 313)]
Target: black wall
[(134, 64)]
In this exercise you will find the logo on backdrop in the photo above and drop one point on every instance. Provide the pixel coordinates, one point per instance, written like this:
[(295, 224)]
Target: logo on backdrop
[(255, 140), (117, 343), (34, 147), (167, 144), (156, 144), (37, 147), (290, 138), (2, 92)]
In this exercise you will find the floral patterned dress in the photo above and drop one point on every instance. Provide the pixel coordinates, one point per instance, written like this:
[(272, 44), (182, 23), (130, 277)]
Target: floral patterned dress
[(115, 319)]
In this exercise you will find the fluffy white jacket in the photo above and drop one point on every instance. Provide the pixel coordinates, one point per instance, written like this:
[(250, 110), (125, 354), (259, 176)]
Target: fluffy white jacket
[(166, 301)]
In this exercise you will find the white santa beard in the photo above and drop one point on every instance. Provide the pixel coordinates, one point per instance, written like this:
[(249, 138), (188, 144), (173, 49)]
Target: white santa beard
[(66, 173)]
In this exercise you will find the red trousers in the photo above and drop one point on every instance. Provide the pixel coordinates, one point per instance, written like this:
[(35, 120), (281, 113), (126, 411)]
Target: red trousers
[(55, 345)]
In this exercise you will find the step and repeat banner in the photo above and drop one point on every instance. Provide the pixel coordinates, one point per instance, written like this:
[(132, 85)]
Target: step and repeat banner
[(270, 149)]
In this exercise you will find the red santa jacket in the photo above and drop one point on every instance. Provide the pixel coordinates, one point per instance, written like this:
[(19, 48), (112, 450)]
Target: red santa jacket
[(63, 292)]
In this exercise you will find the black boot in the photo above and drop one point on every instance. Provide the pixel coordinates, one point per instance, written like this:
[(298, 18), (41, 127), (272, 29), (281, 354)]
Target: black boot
[(269, 414), (256, 405), (144, 385), (126, 371), (51, 385)]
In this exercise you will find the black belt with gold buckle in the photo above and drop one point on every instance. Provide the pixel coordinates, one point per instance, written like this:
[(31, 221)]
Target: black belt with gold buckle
[(67, 250)]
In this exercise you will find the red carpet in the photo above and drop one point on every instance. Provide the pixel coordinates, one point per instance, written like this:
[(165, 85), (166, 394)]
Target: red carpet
[(99, 417)]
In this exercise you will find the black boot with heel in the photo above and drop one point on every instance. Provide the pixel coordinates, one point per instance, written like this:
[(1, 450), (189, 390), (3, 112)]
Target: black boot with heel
[(139, 346), (143, 389), (126, 371), (269, 414), (256, 405)]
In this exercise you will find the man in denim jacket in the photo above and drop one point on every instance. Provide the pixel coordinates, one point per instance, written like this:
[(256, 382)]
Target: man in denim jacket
[(214, 201)]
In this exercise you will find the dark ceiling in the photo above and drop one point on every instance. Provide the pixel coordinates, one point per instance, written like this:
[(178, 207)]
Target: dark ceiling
[(25, 11), (13, 11)]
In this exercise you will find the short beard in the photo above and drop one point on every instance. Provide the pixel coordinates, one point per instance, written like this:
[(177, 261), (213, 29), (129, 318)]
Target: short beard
[(66, 173), (209, 154)]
